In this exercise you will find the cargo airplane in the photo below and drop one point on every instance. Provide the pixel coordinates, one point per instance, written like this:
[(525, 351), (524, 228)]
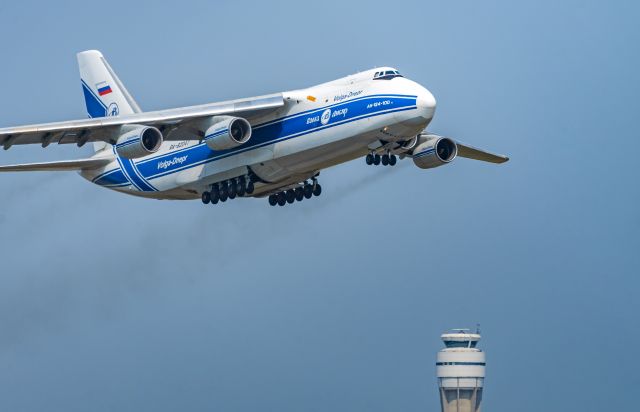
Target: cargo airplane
[(271, 146)]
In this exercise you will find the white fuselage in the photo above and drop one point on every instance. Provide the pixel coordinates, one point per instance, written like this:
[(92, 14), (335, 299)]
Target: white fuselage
[(318, 127)]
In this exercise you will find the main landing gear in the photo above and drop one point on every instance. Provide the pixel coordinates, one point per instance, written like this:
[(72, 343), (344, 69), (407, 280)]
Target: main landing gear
[(386, 159), (306, 191), (228, 189)]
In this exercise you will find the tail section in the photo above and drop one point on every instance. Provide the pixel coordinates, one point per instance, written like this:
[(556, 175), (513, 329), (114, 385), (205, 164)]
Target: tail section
[(104, 93)]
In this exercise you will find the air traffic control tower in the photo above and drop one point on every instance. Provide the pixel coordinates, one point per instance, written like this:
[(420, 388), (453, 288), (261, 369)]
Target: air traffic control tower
[(460, 371)]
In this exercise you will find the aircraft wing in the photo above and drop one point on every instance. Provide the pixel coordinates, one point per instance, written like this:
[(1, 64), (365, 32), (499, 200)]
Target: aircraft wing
[(65, 165), (106, 128), (471, 152)]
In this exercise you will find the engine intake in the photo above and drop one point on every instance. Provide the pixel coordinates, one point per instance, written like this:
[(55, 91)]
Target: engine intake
[(139, 142), (227, 133), (434, 151)]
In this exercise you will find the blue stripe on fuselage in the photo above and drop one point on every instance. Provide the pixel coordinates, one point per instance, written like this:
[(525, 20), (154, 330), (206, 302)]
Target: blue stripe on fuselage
[(137, 180), (285, 128), (114, 177)]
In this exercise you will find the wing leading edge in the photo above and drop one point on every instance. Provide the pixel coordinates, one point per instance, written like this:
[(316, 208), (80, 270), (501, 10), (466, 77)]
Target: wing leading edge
[(64, 165), (103, 129), (471, 152)]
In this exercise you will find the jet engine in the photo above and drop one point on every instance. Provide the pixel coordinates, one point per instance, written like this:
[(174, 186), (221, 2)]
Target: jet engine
[(434, 151), (138, 142), (227, 132)]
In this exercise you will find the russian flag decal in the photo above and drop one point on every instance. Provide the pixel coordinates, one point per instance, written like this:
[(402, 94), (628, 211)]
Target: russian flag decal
[(103, 88)]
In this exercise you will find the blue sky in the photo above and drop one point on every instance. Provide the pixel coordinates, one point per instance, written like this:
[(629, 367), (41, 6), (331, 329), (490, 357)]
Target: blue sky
[(109, 302)]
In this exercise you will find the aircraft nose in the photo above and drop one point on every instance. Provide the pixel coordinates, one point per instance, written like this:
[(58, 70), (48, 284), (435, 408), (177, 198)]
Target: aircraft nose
[(426, 103)]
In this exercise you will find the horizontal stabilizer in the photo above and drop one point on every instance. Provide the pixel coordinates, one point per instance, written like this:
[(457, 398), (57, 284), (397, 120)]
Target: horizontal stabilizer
[(64, 165), (471, 152)]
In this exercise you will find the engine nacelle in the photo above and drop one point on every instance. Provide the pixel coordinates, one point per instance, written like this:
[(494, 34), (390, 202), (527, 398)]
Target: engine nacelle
[(139, 142), (434, 151), (227, 132)]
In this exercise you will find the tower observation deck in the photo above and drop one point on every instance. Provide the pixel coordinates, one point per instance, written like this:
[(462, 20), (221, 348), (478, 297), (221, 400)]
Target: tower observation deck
[(460, 371)]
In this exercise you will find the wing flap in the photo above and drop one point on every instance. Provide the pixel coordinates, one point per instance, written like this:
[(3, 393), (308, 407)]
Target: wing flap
[(64, 165), (471, 152), (103, 129)]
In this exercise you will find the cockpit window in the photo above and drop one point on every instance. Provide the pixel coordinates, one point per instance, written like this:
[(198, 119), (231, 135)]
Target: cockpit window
[(386, 75)]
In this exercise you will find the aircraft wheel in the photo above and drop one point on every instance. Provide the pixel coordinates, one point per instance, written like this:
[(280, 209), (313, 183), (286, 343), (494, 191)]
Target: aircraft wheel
[(317, 190), (206, 197), (232, 189), (282, 199), (369, 159), (215, 195), (392, 160), (385, 160), (223, 196), (240, 188), (299, 194), (376, 159), (250, 188), (291, 196), (273, 200), (308, 191)]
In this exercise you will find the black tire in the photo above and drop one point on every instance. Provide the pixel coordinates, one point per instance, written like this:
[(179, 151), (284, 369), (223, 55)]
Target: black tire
[(317, 190), (250, 188), (215, 196), (369, 159), (392, 160), (308, 191), (240, 189), (282, 199), (273, 200), (223, 196), (232, 190), (376, 159), (299, 194), (206, 198), (385, 160), (291, 196)]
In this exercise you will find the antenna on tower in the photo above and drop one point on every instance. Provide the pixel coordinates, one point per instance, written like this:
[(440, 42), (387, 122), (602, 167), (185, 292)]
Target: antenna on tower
[(478, 328)]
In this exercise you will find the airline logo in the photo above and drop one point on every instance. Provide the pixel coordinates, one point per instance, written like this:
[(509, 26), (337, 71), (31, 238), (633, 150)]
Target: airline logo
[(326, 115), (165, 164), (103, 88), (113, 109)]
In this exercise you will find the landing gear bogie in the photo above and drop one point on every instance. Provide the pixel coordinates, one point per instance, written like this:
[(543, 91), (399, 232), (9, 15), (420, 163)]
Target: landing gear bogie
[(229, 189), (387, 159), (305, 191)]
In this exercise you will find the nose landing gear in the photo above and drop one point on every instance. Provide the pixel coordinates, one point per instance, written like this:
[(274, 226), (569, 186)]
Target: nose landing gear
[(387, 159)]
